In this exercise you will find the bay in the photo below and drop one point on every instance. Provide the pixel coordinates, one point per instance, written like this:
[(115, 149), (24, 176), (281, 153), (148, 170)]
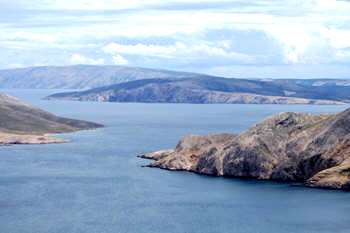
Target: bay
[(95, 183)]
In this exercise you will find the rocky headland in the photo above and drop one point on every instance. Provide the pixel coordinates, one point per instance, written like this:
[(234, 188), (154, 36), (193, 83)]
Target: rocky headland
[(21, 123), (291, 147)]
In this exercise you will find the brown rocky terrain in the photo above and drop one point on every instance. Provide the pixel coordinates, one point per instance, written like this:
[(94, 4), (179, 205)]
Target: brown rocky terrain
[(21, 123), (294, 147)]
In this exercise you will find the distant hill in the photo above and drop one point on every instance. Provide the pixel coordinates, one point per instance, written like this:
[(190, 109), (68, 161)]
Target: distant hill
[(92, 76), (22, 123), (214, 90), (79, 76)]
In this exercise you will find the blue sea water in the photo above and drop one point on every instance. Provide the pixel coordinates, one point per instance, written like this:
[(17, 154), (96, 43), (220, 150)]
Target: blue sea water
[(95, 184)]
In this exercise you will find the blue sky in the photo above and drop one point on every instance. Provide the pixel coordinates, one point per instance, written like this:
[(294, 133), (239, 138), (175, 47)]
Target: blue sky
[(256, 38)]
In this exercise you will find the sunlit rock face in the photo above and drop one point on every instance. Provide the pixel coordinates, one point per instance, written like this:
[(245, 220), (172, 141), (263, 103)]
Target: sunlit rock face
[(313, 149)]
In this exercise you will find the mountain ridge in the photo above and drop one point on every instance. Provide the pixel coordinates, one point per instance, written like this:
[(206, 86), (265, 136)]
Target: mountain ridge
[(80, 76), (208, 90), (92, 76)]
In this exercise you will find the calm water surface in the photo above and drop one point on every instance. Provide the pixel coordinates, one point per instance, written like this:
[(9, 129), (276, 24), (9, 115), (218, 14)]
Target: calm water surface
[(95, 184)]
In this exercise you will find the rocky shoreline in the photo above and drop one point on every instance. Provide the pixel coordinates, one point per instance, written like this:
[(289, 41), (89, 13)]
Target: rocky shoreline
[(291, 147), (15, 139)]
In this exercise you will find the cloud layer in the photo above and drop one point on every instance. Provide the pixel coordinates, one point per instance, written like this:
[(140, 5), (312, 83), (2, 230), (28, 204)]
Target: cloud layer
[(292, 38)]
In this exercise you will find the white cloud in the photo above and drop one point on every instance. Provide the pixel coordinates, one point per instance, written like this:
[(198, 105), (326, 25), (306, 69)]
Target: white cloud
[(80, 59), (295, 40), (145, 32), (275, 71), (316, 44), (16, 65), (343, 55), (338, 38), (81, 4), (177, 50), (35, 37), (143, 50), (327, 5), (100, 4), (119, 60), (27, 37)]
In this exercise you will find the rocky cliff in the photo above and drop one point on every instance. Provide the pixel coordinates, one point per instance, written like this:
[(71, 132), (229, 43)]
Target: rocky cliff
[(298, 147)]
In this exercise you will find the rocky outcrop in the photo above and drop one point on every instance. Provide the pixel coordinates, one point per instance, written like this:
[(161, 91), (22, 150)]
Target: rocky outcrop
[(298, 147), (337, 177), (191, 154), (21, 123)]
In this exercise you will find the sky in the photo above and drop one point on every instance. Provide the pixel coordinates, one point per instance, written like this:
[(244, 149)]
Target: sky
[(231, 38)]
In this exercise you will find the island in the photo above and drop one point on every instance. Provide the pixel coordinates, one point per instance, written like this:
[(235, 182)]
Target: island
[(214, 90), (290, 147), (21, 123)]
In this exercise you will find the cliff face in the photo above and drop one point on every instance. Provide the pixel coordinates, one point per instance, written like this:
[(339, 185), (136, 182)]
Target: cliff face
[(288, 147), (21, 123)]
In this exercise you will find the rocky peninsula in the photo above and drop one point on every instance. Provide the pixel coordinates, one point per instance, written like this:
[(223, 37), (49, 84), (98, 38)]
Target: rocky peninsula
[(21, 123), (291, 147)]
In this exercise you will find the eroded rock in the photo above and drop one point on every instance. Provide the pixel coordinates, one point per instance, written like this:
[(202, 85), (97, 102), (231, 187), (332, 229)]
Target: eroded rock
[(313, 149)]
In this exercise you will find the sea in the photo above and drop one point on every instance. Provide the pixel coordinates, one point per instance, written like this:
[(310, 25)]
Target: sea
[(96, 183)]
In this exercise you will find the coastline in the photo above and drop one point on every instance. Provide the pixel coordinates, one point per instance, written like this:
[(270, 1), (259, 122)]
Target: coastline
[(28, 139)]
